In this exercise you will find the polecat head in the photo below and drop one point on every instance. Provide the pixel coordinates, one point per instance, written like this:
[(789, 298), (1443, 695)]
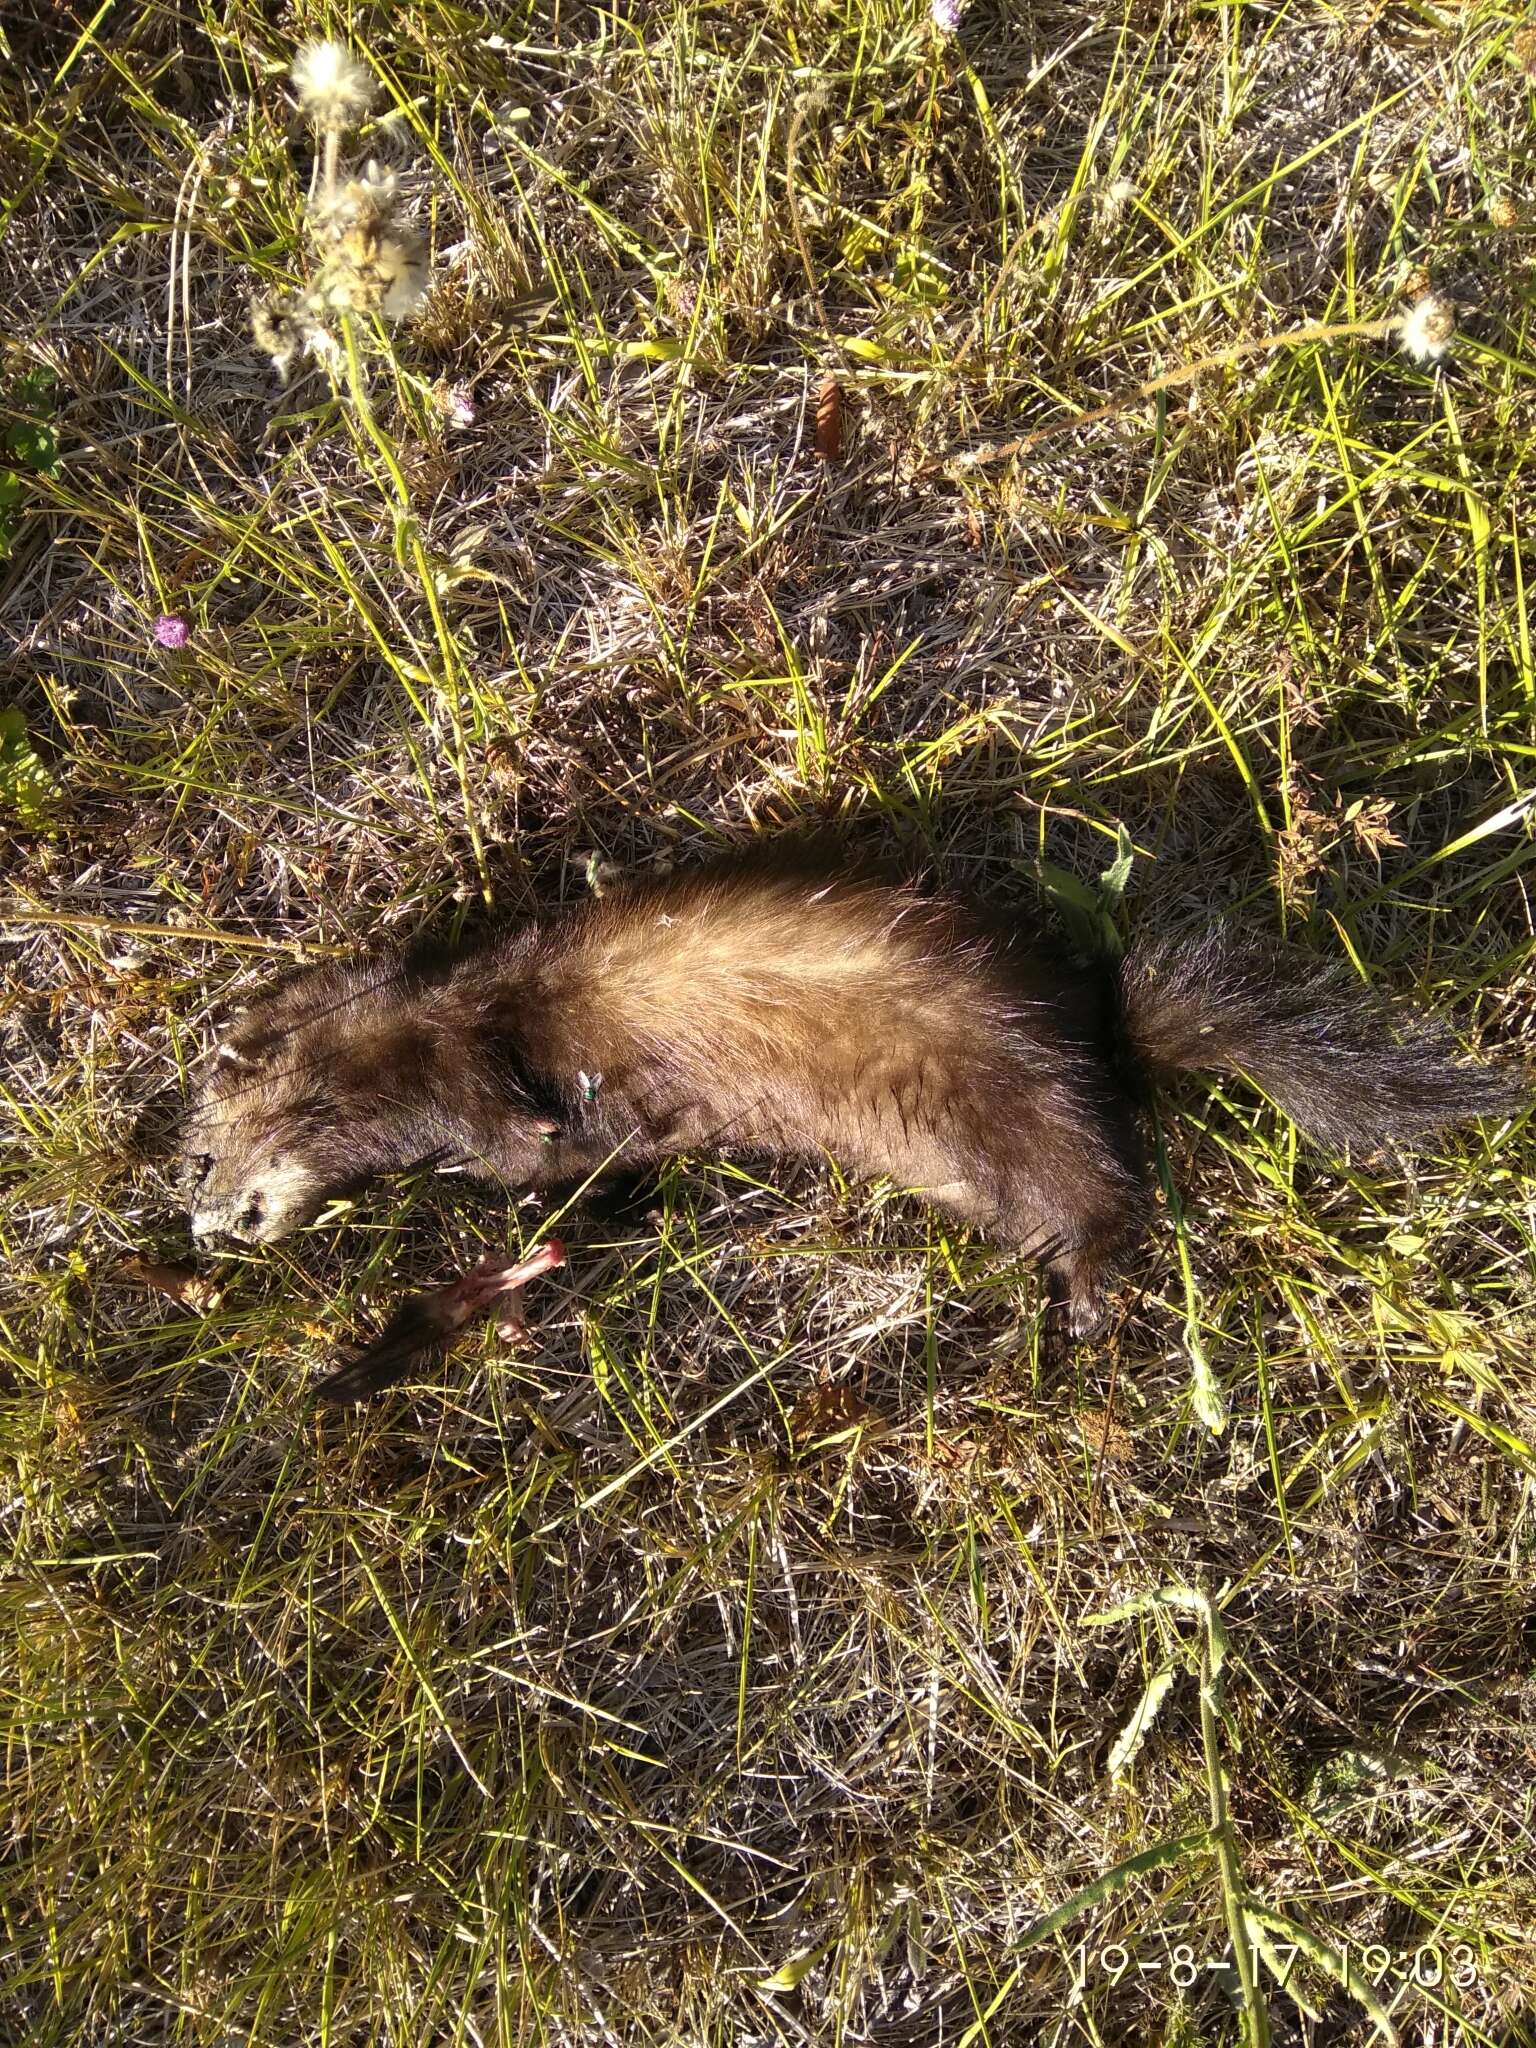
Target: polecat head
[(343, 1073), (279, 1121)]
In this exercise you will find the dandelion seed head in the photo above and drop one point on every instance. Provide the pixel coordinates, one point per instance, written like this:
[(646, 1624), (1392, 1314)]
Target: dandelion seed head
[(1428, 328), (333, 87)]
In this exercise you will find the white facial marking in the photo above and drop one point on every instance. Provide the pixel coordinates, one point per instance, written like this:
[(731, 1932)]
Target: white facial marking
[(266, 1207), (284, 1187)]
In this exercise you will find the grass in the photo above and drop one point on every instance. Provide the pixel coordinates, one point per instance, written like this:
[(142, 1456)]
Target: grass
[(780, 1650)]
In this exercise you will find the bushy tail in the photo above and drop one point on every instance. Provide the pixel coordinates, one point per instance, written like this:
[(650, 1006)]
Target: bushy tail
[(1349, 1069)]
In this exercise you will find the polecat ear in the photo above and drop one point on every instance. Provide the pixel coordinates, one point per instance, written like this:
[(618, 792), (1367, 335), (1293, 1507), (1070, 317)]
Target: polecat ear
[(243, 1038), (243, 1041)]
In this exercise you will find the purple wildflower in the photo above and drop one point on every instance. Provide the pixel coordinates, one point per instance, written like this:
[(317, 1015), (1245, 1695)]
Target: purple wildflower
[(171, 630)]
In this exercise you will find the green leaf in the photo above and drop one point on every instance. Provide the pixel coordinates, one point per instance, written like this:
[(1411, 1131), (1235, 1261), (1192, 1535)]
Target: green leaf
[(652, 351), (26, 787), (860, 246), (10, 495), (33, 444), (1114, 878), (1076, 903), (916, 275), (1176, 1599), (34, 389), (1139, 1726), (788, 1974), (1069, 890), (1210, 1403), (1158, 1857), (1327, 1958)]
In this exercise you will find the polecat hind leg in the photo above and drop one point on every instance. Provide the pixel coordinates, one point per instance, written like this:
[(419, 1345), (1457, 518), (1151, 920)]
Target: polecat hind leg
[(1080, 1232), (1079, 1277)]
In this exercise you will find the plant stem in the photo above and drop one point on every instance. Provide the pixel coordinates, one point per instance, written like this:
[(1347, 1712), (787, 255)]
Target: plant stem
[(1255, 2010), (408, 531)]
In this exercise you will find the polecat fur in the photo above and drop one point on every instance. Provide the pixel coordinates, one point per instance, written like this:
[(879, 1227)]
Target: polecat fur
[(785, 1013)]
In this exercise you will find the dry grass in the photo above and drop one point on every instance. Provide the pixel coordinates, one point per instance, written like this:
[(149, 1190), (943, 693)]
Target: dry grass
[(631, 1690)]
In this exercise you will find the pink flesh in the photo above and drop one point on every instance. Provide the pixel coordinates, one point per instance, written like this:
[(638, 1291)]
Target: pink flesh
[(494, 1275)]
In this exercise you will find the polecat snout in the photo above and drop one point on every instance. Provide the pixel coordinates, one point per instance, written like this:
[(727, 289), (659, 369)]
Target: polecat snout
[(784, 1014)]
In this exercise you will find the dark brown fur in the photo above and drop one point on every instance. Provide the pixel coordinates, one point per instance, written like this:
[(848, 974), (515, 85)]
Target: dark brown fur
[(787, 1014)]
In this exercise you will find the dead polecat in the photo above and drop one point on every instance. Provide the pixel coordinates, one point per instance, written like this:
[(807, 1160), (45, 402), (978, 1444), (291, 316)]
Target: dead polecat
[(786, 1013)]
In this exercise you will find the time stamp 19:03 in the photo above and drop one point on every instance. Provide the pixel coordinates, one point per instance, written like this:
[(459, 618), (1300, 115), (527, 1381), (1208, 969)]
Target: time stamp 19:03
[(1426, 1968)]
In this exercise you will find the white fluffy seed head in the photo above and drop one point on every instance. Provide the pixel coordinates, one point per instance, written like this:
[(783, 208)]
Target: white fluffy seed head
[(280, 325), (369, 271), (403, 269), (1429, 328), (368, 202), (333, 87)]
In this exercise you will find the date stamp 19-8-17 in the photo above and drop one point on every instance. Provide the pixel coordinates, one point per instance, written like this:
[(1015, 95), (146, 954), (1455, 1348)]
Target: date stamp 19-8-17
[(1430, 1967)]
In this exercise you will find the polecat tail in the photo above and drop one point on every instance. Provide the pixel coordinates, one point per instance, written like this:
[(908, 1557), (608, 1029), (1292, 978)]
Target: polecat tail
[(1349, 1069)]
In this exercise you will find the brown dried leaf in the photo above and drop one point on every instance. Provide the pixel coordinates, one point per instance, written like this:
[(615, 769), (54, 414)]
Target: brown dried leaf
[(829, 421), (1105, 1437), (827, 1412), (1368, 821), (182, 1284), (954, 1453), (504, 762)]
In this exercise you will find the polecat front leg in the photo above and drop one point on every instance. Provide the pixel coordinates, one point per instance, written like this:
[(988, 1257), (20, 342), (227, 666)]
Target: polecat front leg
[(428, 1320)]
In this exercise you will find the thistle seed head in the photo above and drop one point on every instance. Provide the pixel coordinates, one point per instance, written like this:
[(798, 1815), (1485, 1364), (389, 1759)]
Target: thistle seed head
[(368, 203), (334, 89), (366, 271), (278, 325)]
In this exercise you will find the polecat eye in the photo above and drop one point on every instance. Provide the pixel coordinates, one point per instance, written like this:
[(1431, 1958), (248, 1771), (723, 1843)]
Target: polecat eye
[(199, 1168)]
